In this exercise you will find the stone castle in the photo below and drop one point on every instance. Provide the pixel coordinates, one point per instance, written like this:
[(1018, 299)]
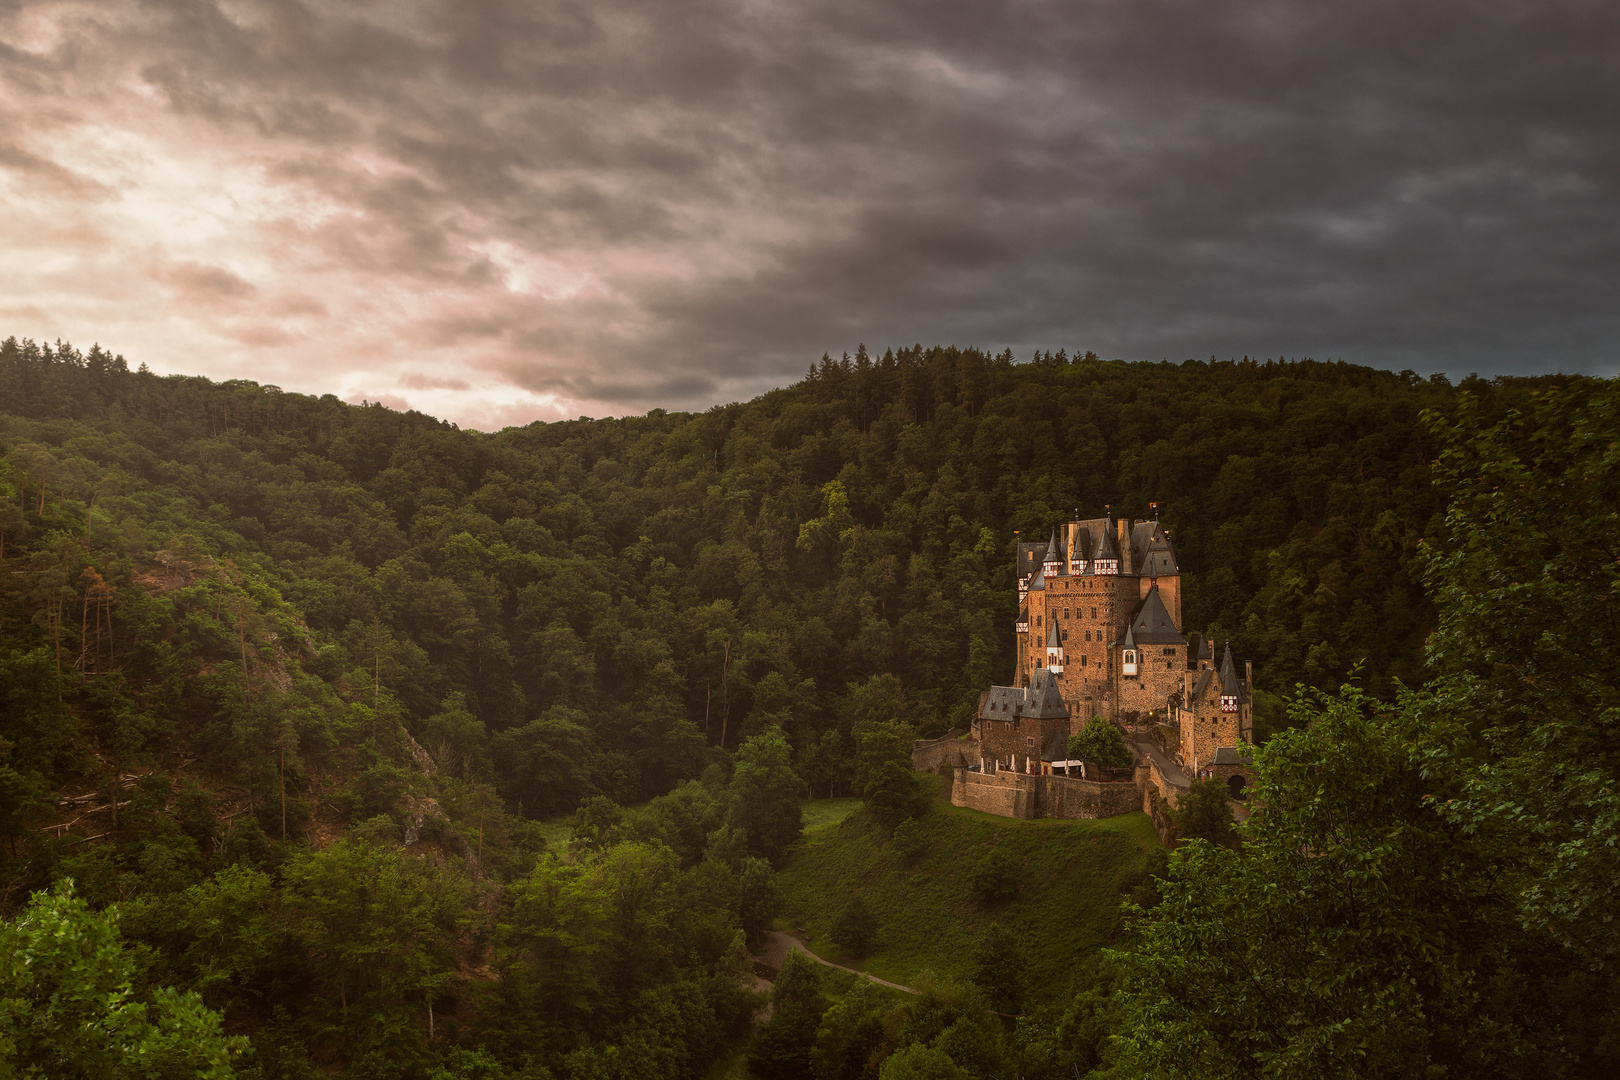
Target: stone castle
[(1099, 634)]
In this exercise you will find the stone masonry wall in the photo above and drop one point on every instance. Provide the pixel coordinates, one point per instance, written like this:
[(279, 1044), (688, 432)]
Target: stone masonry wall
[(1019, 795), (928, 754)]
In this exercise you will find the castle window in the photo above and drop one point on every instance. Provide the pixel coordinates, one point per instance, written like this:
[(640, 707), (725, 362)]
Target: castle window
[(1037, 620), (1088, 635), (1093, 613), (1082, 659), (1065, 613)]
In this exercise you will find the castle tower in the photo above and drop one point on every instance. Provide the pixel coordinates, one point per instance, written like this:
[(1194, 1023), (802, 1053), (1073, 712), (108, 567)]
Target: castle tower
[(1054, 650), (1106, 561), (1052, 565)]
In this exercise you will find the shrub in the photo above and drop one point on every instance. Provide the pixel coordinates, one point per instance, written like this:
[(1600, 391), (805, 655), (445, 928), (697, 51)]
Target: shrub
[(995, 877), (999, 964), (1203, 813), (855, 927), (909, 840)]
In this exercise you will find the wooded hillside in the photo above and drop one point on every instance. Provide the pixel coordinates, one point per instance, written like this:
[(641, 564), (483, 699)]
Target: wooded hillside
[(237, 624)]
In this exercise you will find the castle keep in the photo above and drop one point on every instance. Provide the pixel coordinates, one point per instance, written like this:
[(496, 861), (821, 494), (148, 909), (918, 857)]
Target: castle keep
[(1099, 633)]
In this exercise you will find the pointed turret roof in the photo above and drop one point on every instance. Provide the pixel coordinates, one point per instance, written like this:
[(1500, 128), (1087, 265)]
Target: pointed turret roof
[(1106, 549), (1231, 686), (1054, 550), (1153, 625), (1053, 639), (1152, 551)]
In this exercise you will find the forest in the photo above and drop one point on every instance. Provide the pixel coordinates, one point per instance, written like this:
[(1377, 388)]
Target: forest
[(290, 687)]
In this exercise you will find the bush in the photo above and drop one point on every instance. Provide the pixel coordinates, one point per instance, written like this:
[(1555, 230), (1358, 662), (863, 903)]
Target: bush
[(995, 877), (855, 928), (1203, 813), (909, 840), (1102, 743), (998, 968)]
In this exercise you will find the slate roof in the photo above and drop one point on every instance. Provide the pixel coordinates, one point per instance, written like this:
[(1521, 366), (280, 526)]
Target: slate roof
[(1151, 552), (1232, 755), (1043, 700), (1054, 550), (1199, 647), (1002, 703), (1038, 582), (1057, 749), (1023, 614), (1105, 546), (1153, 625), (1082, 542), (1054, 640), (1201, 684), (1231, 685), (1029, 558)]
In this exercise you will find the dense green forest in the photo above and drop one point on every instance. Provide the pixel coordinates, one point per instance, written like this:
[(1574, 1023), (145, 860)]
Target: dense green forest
[(290, 681)]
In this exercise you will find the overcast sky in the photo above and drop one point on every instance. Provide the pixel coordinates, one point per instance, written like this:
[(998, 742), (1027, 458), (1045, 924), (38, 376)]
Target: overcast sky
[(506, 211)]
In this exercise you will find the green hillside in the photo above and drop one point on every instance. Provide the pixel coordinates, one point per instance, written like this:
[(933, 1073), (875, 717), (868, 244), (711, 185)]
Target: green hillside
[(1066, 907)]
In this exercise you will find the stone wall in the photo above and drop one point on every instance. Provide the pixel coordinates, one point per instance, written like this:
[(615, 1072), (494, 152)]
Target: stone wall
[(1019, 795), (928, 754), (1003, 793)]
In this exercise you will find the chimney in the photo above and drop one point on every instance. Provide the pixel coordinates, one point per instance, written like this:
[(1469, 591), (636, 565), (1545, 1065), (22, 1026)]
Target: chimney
[(1248, 677)]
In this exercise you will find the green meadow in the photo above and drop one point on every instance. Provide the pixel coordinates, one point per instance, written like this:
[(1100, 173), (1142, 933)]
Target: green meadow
[(1073, 875)]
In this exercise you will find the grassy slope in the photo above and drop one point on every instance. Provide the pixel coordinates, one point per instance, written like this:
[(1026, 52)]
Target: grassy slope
[(926, 915)]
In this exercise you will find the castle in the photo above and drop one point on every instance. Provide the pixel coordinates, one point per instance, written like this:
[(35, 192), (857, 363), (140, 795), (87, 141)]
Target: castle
[(1099, 633)]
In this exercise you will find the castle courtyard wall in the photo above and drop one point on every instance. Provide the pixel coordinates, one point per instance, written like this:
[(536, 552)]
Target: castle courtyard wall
[(1020, 795), (929, 754)]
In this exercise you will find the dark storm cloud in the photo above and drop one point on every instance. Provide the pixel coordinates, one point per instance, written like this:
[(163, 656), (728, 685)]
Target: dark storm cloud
[(611, 206)]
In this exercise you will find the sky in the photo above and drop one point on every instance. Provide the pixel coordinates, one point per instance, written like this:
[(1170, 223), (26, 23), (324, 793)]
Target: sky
[(498, 212)]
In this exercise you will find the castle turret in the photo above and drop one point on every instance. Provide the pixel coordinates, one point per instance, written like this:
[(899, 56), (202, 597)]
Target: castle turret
[(1128, 659), (1230, 690), (1022, 625), (1054, 650), (1106, 561), (1052, 565)]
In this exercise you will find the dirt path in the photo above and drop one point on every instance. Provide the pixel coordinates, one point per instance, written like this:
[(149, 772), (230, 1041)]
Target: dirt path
[(779, 943)]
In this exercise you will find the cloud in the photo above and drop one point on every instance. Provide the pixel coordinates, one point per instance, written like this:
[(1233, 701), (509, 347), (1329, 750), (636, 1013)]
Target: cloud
[(199, 283), (601, 207)]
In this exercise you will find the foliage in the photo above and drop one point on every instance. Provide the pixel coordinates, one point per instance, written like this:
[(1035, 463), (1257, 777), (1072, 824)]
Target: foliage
[(999, 968), (1345, 937), (1204, 812), (921, 1062), (856, 927), (995, 876), (1421, 888), (764, 797), (909, 839), (1102, 742), (884, 775), (338, 620), (781, 1049), (1527, 703), (68, 1007)]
